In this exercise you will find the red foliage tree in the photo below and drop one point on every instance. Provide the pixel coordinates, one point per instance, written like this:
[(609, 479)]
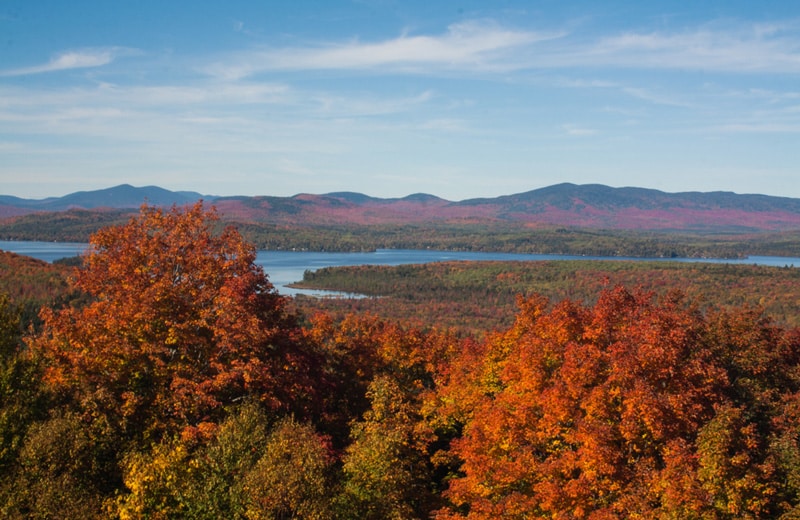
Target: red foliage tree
[(182, 322), (632, 407)]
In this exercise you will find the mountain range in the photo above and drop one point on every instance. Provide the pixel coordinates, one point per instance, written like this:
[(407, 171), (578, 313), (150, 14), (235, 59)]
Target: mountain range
[(585, 206)]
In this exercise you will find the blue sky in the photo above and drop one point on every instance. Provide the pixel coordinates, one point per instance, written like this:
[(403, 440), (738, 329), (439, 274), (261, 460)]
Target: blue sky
[(458, 99)]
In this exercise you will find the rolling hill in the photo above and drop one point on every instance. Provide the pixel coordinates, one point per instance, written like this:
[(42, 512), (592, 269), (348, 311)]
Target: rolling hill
[(584, 206)]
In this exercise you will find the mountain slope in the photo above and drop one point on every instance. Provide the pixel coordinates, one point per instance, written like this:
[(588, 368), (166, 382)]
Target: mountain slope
[(599, 206)]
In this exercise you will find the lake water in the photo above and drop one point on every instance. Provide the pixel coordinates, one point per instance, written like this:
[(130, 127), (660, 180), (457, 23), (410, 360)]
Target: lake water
[(286, 267)]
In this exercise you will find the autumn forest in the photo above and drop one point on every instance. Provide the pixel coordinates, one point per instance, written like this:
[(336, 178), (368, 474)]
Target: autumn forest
[(162, 376)]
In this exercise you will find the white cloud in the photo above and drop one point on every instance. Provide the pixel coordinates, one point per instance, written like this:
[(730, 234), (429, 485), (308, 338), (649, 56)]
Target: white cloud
[(578, 131), (756, 48), (772, 96), (583, 83), (82, 59), (234, 94), (762, 128), (655, 98), (485, 46), (445, 125), (293, 167), (11, 146), (466, 45), (209, 116), (364, 105)]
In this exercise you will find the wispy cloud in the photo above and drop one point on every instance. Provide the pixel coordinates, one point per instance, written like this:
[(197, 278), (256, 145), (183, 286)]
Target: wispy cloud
[(293, 167), (578, 131), (754, 48), (465, 45), (79, 59), (237, 116), (486, 46), (773, 96), (446, 125), (203, 94), (364, 105), (656, 98), (762, 128), (11, 146)]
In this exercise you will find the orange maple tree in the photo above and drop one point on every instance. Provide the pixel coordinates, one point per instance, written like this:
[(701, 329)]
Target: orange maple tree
[(631, 408), (182, 323)]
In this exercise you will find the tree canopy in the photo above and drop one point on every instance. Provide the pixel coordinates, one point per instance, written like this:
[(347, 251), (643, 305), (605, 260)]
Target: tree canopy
[(181, 324), (632, 406)]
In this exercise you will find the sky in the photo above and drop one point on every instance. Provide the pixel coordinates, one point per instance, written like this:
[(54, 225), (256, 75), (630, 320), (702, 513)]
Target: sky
[(459, 99)]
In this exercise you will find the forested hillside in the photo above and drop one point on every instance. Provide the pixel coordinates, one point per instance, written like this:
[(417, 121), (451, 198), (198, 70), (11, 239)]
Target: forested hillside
[(78, 225), (31, 284), (183, 386), (482, 296)]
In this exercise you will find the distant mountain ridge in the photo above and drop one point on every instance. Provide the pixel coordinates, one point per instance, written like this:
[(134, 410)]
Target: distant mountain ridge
[(566, 204), (118, 197)]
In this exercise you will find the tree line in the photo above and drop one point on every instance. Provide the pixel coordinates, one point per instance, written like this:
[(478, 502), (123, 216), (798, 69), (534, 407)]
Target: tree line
[(491, 236), (478, 297)]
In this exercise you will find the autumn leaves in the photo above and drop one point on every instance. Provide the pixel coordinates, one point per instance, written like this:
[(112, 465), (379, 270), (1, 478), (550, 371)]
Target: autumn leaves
[(188, 389), (629, 408)]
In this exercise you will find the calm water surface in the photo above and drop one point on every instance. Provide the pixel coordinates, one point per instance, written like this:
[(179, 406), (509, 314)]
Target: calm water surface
[(47, 251), (286, 267)]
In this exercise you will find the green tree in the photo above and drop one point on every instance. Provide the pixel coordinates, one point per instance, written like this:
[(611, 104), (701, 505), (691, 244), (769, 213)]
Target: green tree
[(248, 470), (63, 470), (292, 478), (23, 402), (179, 478), (386, 472), (18, 386)]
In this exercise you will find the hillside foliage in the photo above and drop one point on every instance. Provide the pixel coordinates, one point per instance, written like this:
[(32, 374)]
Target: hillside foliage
[(31, 284), (184, 386), (478, 297), (453, 234)]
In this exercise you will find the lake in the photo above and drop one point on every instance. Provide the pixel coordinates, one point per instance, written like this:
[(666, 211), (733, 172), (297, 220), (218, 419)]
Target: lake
[(286, 267)]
